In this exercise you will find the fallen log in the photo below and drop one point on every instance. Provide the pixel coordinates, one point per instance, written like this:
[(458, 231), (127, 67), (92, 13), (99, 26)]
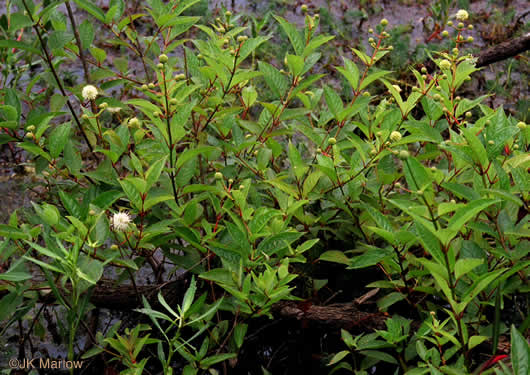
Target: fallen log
[(504, 50), (338, 315), (496, 53), (126, 297)]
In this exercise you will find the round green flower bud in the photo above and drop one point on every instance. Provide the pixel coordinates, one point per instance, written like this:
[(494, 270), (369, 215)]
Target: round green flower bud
[(468, 114), (85, 116), (30, 128), (317, 16), (114, 247), (134, 122), (516, 147), (450, 23), (397, 185), (390, 48), (29, 135), (160, 66), (366, 93), (200, 56), (373, 152), (319, 150), (470, 27), (222, 30), (460, 25), (437, 97), (151, 85), (180, 76), (521, 125), (228, 13), (332, 141), (445, 64), (156, 114), (470, 39), (424, 70), (444, 76), (445, 33), (371, 40), (383, 22), (404, 154), (230, 181), (144, 87), (457, 99), (491, 142), (241, 187), (455, 51), (163, 58), (303, 8), (103, 105), (218, 176), (395, 136), (370, 31)]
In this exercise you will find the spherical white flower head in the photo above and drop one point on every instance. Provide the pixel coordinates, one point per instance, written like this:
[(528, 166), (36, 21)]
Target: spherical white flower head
[(462, 15), (120, 221), (89, 92)]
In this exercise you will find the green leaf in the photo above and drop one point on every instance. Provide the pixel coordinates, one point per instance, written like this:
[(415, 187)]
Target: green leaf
[(91, 8), (338, 357), (240, 331), (372, 77), (193, 153), (297, 163), (296, 39), (479, 152), (19, 45), (369, 258), (276, 81), (466, 213), (333, 101), (58, 139), (34, 149), (106, 199), (478, 286), (189, 296), (153, 173), (335, 256), (520, 352), (212, 360), (350, 72), (59, 38), (464, 266), (296, 64), (86, 34), (99, 54)]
